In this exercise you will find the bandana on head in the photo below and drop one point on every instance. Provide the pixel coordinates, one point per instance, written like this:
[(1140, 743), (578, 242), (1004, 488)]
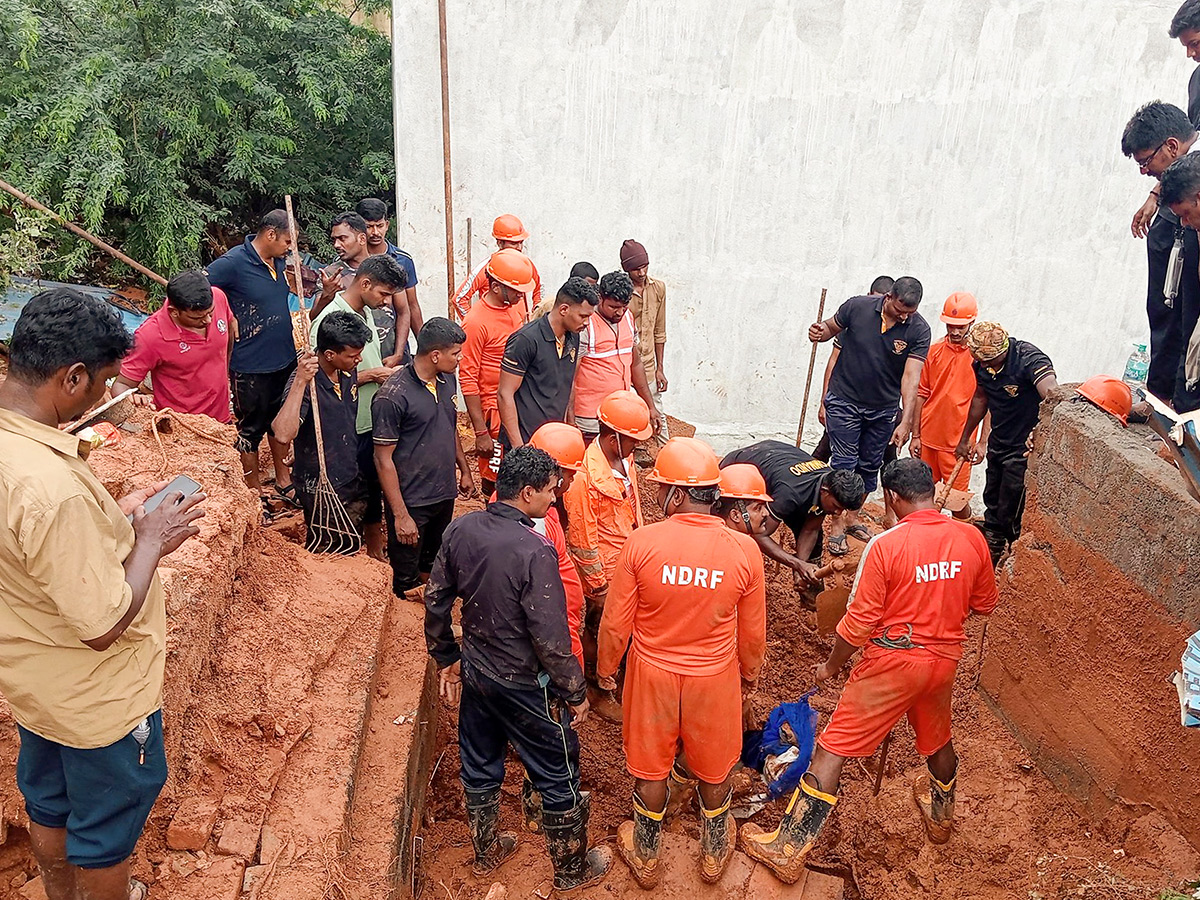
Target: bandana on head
[(987, 340)]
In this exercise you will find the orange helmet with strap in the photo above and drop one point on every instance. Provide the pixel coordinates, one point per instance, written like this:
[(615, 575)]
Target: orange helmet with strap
[(1110, 394), (508, 228), (512, 268), (742, 481), (960, 308), (563, 442), (686, 462), (626, 413)]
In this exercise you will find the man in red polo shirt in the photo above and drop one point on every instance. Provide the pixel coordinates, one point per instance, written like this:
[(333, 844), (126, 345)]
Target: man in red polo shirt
[(915, 587), (184, 348)]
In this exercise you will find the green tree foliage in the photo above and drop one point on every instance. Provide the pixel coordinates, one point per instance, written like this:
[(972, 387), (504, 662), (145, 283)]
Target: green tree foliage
[(169, 126)]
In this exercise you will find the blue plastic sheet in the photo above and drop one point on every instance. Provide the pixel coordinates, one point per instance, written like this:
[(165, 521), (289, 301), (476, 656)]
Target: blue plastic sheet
[(757, 745)]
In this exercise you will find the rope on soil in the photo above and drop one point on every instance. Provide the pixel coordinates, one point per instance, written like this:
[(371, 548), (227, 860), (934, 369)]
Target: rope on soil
[(161, 415)]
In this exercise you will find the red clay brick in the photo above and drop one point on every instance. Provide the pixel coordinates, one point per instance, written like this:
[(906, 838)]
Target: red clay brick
[(192, 824), (238, 839)]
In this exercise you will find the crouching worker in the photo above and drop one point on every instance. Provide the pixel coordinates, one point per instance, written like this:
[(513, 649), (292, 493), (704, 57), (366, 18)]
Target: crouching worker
[(341, 337), (690, 593), (518, 681), (915, 587)]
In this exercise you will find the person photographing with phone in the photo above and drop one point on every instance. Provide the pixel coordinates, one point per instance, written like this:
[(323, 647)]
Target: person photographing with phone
[(82, 613)]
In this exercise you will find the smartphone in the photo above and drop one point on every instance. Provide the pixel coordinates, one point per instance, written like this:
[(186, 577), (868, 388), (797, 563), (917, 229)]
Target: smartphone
[(181, 483)]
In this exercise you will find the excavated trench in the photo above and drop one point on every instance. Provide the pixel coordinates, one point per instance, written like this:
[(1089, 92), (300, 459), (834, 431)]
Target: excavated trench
[(310, 760)]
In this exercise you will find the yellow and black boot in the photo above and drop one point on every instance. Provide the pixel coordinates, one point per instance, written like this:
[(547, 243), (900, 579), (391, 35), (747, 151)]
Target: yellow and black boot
[(785, 849), (718, 834), (531, 806), (681, 787), (492, 847), (935, 799), (638, 842)]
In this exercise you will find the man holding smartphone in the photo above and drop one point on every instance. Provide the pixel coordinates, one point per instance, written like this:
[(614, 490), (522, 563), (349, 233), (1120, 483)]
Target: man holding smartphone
[(82, 614)]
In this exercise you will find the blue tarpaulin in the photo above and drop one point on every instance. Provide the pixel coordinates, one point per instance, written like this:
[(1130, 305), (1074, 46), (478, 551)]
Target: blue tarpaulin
[(13, 300)]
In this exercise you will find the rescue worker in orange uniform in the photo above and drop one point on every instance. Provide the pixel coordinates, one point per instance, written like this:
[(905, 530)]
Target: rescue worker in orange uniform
[(916, 585), (510, 234), (690, 594), (944, 397), (603, 509), (744, 499), (488, 324), (606, 356)]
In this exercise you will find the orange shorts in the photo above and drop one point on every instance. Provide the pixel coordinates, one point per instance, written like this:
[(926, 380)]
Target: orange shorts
[(662, 708), (884, 687), (943, 462), (490, 465)]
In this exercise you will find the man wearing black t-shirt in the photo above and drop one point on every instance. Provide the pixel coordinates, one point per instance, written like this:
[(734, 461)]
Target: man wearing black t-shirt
[(1012, 379), (803, 491)]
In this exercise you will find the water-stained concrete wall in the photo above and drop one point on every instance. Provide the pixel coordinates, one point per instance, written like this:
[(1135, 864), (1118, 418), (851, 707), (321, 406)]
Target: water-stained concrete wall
[(766, 148)]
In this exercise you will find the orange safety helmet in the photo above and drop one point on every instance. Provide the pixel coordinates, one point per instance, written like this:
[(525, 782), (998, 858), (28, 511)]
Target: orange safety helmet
[(686, 462), (563, 442), (1110, 394), (960, 308), (513, 268), (626, 413), (742, 481), (508, 228)]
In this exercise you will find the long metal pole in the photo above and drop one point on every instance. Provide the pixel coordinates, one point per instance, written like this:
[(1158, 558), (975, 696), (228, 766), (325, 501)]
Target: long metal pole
[(812, 362), (450, 279), (396, 120)]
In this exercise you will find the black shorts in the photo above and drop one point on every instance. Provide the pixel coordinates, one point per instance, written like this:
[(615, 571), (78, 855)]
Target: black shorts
[(257, 398)]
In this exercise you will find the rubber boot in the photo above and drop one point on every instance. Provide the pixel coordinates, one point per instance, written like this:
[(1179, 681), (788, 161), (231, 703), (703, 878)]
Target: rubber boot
[(492, 847), (639, 841), (681, 787), (718, 834), (575, 866), (785, 849), (531, 806), (936, 802)]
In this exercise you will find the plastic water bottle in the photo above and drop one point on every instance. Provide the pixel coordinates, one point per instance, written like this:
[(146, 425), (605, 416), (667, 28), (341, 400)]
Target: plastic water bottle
[(1136, 367)]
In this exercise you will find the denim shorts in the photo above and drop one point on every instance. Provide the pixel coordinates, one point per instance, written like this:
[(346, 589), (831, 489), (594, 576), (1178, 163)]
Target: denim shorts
[(102, 797)]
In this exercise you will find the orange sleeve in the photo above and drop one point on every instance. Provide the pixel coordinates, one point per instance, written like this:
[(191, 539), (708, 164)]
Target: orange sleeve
[(616, 625), (471, 360), (583, 537), (752, 618), (984, 593), (865, 610), (537, 287), (466, 292), (925, 385)]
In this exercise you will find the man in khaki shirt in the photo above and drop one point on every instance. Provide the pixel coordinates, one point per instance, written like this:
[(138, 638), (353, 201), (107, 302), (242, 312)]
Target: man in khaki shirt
[(82, 617), (649, 308)]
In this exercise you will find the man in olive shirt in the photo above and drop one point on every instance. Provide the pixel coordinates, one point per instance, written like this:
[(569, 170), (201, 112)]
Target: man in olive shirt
[(82, 615)]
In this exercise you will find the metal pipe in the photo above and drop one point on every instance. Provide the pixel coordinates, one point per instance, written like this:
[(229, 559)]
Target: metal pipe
[(446, 161)]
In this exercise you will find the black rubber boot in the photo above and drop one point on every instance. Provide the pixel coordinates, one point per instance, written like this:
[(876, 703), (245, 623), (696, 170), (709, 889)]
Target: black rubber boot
[(639, 841), (935, 799), (718, 834), (575, 866), (531, 806), (785, 849), (492, 847)]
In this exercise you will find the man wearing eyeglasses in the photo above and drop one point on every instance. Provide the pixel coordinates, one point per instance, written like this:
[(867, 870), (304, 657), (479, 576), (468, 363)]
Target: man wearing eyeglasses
[(1156, 136)]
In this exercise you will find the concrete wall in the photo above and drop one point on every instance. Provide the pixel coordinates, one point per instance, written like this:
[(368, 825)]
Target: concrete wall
[(766, 148)]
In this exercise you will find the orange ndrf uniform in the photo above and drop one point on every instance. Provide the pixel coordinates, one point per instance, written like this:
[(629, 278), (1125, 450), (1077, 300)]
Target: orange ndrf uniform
[(601, 515), (915, 587), (570, 579), (475, 285), (488, 329), (690, 593), (947, 386)]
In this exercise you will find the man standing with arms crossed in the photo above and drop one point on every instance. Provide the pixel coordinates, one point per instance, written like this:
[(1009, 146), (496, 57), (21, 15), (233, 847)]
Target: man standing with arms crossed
[(916, 585), (375, 214), (649, 308), (83, 633), (690, 593)]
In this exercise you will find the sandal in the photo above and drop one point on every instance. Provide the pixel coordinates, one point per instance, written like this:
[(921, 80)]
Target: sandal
[(837, 545), (859, 532), (288, 495), (137, 890)]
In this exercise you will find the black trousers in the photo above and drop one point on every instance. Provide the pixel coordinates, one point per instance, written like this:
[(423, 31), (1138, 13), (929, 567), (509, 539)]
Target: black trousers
[(1004, 499), (1189, 290), (494, 715), (1166, 328), (372, 492), (411, 561)]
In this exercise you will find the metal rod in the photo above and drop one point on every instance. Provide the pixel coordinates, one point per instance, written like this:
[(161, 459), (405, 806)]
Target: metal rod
[(88, 417), (812, 363), (86, 235), (945, 497), (883, 755), (469, 236), (446, 161)]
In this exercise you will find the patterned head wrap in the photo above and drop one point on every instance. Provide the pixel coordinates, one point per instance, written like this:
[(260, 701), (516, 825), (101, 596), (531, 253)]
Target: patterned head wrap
[(986, 341)]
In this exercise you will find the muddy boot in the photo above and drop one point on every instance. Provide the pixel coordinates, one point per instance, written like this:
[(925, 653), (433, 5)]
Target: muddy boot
[(531, 806), (492, 847), (718, 834), (639, 841), (785, 849), (575, 866), (936, 802), (681, 787), (604, 704)]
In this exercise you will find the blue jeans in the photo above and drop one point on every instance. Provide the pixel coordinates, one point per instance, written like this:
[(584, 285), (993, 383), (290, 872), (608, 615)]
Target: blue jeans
[(492, 715), (858, 437)]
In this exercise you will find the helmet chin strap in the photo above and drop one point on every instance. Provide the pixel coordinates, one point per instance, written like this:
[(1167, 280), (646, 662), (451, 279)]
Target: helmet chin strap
[(671, 491), (741, 508)]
